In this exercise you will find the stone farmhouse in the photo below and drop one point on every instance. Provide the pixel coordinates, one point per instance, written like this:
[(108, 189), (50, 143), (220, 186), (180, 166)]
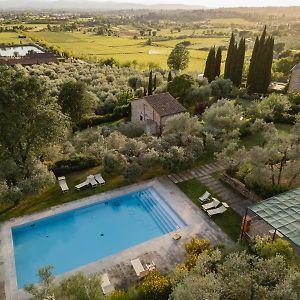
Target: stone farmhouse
[(294, 85), (154, 111)]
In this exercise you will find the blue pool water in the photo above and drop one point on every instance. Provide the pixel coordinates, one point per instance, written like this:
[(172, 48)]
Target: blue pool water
[(84, 235)]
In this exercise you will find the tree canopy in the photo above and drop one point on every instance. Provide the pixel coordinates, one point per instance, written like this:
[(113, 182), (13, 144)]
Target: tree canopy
[(179, 58)]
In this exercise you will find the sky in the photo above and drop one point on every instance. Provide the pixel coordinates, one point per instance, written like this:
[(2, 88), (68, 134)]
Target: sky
[(218, 3)]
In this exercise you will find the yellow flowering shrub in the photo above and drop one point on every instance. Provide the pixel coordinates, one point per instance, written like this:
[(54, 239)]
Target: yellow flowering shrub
[(155, 286)]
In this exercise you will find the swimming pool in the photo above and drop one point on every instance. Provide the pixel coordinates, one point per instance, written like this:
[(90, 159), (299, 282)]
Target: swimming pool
[(87, 234)]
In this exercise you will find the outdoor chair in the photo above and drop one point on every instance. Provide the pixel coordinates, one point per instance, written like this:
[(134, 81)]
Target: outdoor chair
[(63, 184), (106, 285), (139, 268), (99, 179), (214, 204), (219, 210), (204, 197)]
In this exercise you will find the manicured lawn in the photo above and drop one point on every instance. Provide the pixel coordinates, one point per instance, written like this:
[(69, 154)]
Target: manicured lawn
[(229, 222), (254, 140)]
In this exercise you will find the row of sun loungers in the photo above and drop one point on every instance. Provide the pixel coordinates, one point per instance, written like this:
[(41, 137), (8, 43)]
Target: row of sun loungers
[(213, 207), (140, 270), (92, 180)]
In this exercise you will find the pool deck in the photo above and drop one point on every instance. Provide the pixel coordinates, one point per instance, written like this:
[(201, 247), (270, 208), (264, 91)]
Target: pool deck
[(163, 250)]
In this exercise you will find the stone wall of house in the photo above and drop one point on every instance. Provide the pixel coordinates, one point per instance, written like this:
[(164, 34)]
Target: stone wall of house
[(294, 85), (140, 108)]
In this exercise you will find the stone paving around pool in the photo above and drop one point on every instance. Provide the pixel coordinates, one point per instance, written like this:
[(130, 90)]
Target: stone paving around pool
[(164, 250), (235, 200)]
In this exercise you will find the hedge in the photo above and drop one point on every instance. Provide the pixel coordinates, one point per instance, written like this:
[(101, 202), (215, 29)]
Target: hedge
[(118, 113), (75, 163)]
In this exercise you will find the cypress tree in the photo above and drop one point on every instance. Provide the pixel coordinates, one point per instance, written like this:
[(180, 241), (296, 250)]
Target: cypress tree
[(218, 62), (209, 71), (267, 66), (230, 57), (252, 66), (154, 83), (150, 84), (237, 70), (261, 64), (170, 78)]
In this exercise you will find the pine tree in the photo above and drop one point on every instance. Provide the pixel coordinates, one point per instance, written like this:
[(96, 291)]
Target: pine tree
[(230, 57), (218, 62), (170, 78), (210, 65), (150, 84), (154, 83)]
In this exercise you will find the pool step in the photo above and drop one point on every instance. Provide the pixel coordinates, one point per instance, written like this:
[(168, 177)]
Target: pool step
[(158, 211), (158, 220), (162, 212)]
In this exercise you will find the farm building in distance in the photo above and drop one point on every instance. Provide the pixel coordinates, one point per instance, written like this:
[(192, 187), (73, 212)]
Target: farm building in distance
[(154, 110), (295, 79), (25, 55)]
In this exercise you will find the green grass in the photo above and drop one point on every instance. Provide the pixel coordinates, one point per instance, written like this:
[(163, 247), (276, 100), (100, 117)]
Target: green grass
[(52, 195), (125, 48), (229, 222), (254, 140), (12, 38)]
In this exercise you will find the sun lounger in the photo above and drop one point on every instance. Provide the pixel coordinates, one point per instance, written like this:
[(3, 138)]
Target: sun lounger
[(99, 179), (63, 184), (106, 285), (212, 204), (151, 266), (219, 210), (92, 180), (204, 197), (139, 268)]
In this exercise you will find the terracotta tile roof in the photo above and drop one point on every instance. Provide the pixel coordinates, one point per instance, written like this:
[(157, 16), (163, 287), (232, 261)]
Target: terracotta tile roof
[(164, 104), (295, 81)]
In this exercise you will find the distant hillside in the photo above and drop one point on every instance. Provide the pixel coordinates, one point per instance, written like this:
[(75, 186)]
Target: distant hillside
[(77, 4)]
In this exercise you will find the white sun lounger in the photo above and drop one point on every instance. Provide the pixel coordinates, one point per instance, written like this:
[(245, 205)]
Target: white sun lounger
[(204, 197), (211, 205), (219, 210), (138, 268), (106, 285), (63, 184), (99, 179), (92, 180)]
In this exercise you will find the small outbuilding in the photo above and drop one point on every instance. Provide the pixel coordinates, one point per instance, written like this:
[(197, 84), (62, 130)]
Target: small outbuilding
[(155, 110), (294, 85)]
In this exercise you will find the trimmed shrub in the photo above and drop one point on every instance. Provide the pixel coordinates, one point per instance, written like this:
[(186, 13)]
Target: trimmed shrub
[(75, 163)]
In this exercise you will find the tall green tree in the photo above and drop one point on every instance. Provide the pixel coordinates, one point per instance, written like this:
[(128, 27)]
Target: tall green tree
[(259, 75), (179, 58), (238, 65), (209, 71), (75, 100), (154, 82), (30, 121), (150, 84), (230, 57), (218, 62), (170, 76)]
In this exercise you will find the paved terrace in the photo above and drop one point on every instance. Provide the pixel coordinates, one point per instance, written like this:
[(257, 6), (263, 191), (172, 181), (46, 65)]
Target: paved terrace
[(163, 250), (235, 200)]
